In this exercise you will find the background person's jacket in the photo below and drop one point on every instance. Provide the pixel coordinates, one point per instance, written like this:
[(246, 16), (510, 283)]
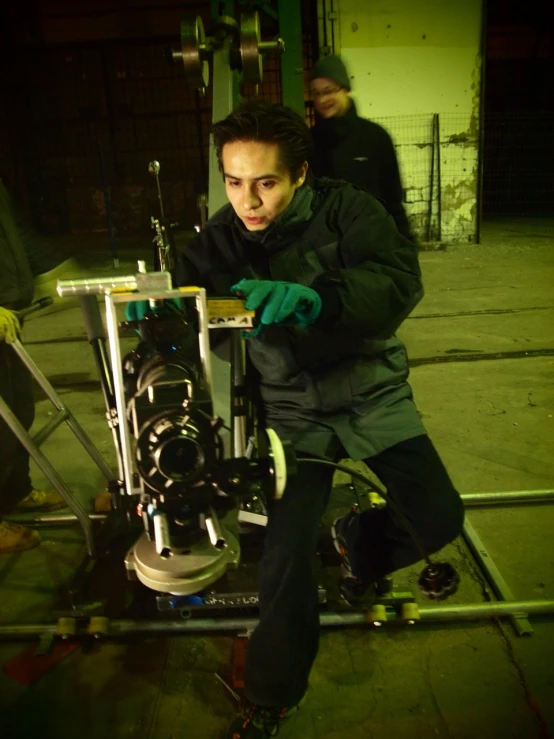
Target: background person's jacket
[(346, 374), (360, 151), (23, 255)]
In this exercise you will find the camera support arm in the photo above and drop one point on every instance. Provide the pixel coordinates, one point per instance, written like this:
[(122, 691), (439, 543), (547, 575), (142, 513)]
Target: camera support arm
[(148, 286)]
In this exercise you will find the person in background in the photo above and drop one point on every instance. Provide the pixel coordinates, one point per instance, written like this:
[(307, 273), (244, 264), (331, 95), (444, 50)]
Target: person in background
[(347, 147), (23, 258)]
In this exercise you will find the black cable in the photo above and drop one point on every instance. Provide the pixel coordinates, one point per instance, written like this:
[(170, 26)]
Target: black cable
[(393, 504)]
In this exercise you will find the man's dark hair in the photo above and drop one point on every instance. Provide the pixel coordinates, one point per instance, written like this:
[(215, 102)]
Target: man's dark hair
[(269, 124)]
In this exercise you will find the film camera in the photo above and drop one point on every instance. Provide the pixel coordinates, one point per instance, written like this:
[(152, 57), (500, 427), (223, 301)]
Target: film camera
[(175, 471), (185, 478)]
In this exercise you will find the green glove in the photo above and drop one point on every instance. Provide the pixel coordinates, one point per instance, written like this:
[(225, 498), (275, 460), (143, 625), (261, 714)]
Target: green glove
[(139, 309), (280, 303), (9, 325)]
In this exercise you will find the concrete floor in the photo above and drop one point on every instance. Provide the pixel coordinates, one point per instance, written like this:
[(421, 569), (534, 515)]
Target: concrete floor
[(492, 419)]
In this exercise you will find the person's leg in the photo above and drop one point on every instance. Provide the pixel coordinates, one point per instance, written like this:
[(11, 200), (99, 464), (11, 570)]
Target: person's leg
[(16, 389), (416, 479), (284, 645), (14, 461)]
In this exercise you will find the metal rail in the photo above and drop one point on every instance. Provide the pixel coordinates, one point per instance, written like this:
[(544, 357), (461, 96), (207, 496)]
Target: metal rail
[(119, 627)]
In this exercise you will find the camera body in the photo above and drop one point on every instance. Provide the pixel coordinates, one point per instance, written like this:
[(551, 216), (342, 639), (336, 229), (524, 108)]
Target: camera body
[(185, 480), (174, 471), (177, 443)]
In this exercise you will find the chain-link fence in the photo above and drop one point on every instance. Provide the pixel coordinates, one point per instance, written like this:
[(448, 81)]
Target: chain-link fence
[(438, 156)]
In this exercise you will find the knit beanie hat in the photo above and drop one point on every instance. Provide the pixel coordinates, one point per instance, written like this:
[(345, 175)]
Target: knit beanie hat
[(332, 67)]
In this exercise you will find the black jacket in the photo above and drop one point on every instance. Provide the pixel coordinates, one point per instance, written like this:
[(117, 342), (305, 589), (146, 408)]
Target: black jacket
[(23, 255), (346, 375), (16, 279), (360, 151)]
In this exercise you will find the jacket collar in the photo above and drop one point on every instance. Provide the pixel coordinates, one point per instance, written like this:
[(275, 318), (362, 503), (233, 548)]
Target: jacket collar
[(338, 127)]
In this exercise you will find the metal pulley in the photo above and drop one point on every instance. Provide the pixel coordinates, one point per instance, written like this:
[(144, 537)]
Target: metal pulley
[(252, 48), (224, 27), (246, 47), (194, 52)]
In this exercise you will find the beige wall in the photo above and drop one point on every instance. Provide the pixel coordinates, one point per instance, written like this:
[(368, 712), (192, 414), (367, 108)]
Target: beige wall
[(408, 61)]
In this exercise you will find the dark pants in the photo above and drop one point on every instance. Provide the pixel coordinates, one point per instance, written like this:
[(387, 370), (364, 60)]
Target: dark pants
[(284, 645), (16, 389)]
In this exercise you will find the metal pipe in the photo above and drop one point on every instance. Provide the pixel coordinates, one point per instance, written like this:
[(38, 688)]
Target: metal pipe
[(97, 286), (439, 186), (41, 379), (292, 66), (470, 500), (512, 497), (92, 451), (470, 612), (119, 392), (154, 169), (53, 518), (46, 431), (149, 284), (98, 346), (483, 44), (44, 464), (215, 532), (204, 339), (39, 304), (487, 610), (161, 534), (431, 180), (118, 627), (68, 417), (238, 396), (492, 573)]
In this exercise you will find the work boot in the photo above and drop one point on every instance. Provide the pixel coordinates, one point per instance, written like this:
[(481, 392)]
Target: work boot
[(15, 538), (40, 501), (258, 722), (355, 589)]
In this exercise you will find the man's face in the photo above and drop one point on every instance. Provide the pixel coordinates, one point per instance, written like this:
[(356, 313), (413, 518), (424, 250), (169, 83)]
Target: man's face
[(258, 186), (330, 99)]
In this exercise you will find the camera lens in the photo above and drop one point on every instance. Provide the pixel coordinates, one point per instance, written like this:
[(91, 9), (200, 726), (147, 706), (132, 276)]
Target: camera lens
[(180, 459)]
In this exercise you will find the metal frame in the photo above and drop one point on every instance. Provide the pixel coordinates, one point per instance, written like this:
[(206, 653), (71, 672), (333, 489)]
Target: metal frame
[(78, 627), (484, 560), (32, 443), (292, 61), (501, 590), (112, 326), (517, 611)]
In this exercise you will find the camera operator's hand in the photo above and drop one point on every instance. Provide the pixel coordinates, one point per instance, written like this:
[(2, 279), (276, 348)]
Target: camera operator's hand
[(9, 325), (139, 309), (281, 303)]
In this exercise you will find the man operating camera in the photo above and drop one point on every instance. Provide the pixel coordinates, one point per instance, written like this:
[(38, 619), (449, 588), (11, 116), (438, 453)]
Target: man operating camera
[(331, 279)]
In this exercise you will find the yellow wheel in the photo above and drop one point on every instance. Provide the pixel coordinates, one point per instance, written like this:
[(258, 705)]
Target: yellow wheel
[(99, 626), (67, 627), (376, 615), (409, 612)]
